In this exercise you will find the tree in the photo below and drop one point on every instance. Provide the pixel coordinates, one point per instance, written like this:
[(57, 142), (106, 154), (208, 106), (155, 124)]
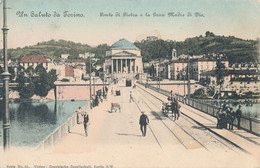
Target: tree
[(53, 77), (199, 93), (44, 81), (26, 91), (42, 85)]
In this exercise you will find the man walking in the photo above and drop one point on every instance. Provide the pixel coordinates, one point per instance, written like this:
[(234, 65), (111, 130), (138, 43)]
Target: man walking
[(143, 122), (131, 97), (85, 123), (177, 109), (79, 115), (238, 115)]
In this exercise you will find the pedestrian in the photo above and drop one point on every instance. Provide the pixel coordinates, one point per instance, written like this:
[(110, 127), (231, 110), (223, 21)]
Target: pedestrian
[(177, 109), (131, 97), (79, 115), (233, 115), (238, 115), (218, 118), (224, 119), (86, 123), (143, 122), (112, 91), (173, 107), (228, 112)]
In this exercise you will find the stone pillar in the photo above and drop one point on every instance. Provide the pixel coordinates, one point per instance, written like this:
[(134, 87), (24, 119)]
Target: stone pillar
[(112, 66), (126, 65), (116, 65), (131, 65), (134, 65), (121, 62)]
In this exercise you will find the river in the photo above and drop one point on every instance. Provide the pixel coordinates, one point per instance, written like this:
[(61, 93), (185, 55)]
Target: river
[(31, 122)]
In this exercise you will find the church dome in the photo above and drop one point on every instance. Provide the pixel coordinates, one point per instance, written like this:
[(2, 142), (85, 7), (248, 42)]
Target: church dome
[(123, 44)]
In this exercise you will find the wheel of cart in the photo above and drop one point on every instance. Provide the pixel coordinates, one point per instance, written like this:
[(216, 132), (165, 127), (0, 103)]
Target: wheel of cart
[(166, 108), (115, 107)]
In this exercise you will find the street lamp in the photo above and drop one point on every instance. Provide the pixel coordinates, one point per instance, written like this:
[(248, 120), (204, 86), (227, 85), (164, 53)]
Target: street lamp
[(188, 76), (90, 96), (5, 75), (184, 73)]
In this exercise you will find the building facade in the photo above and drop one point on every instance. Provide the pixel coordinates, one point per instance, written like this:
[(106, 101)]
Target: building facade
[(123, 59), (204, 64), (34, 60), (178, 69)]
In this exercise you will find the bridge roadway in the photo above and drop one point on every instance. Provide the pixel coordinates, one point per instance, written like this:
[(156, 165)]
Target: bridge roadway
[(192, 141)]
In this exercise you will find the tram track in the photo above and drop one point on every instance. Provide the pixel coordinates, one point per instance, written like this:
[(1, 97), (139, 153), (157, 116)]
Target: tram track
[(187, 118), (180, 139)]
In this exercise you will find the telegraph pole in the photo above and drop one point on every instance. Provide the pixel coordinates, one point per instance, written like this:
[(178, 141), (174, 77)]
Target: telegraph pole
[(5, 75)]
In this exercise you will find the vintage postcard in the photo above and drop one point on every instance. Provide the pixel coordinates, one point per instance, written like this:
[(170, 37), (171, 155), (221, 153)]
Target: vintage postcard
[(129, 83)]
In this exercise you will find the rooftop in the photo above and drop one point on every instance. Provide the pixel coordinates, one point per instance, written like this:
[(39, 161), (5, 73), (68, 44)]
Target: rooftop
[(123, 44), (34, 59)]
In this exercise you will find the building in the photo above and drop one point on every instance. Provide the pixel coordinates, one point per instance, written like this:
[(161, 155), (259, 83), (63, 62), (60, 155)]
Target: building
[(65, 56), (152, 38), (123, 59), (86, 55), (178, 69), (235, 80), (34, 60), (206, 63)]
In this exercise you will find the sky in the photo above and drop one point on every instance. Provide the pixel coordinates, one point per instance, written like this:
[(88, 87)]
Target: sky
[(239, 18)]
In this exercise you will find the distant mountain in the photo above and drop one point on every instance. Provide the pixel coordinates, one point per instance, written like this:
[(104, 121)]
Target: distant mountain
[(237, 50)]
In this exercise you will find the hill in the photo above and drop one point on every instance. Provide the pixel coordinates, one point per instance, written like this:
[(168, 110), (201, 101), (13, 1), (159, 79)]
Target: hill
[(54, 49), (237, 50)]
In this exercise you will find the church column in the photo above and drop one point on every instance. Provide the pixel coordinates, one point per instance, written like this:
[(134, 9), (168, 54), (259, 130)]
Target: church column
[(131, 65), (125, 65), (112, 66), (116, 65), (134, 65), (121, 62)]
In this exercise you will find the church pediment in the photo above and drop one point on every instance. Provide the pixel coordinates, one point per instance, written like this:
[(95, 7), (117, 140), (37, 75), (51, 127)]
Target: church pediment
[(124, 54)]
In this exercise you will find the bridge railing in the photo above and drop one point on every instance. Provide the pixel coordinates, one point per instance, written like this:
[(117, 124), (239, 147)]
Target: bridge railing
[(57, 134), (247, 123)]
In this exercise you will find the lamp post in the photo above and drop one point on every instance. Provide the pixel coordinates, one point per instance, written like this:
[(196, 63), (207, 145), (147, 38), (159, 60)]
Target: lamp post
[(188, 76), (184, 73), (5, 75), (90, 96)]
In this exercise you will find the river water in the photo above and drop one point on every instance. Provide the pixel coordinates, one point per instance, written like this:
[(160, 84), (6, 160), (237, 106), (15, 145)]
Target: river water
[(31, 122)]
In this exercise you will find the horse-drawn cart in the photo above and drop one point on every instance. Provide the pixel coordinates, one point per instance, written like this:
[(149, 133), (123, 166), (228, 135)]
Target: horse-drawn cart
[(166, 108), (115, 107)]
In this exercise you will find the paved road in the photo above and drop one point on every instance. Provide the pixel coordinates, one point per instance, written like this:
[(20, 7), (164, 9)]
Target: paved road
[(115, 138)]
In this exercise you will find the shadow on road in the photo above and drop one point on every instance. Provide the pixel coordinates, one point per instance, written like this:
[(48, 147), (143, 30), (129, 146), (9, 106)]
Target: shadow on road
[(129, 134), (77, 134), (158, 116)]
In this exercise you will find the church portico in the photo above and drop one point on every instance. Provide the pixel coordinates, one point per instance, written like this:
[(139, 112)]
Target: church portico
[(123, 59)]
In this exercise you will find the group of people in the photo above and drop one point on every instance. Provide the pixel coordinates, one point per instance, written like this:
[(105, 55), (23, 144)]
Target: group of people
[(99, 97), (83, 117), (226, 117)]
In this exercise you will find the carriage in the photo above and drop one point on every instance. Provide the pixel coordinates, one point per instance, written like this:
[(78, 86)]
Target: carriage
[(166, 108), (115, 107)]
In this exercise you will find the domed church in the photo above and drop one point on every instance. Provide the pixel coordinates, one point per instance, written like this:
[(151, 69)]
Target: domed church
[(123, 59)]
